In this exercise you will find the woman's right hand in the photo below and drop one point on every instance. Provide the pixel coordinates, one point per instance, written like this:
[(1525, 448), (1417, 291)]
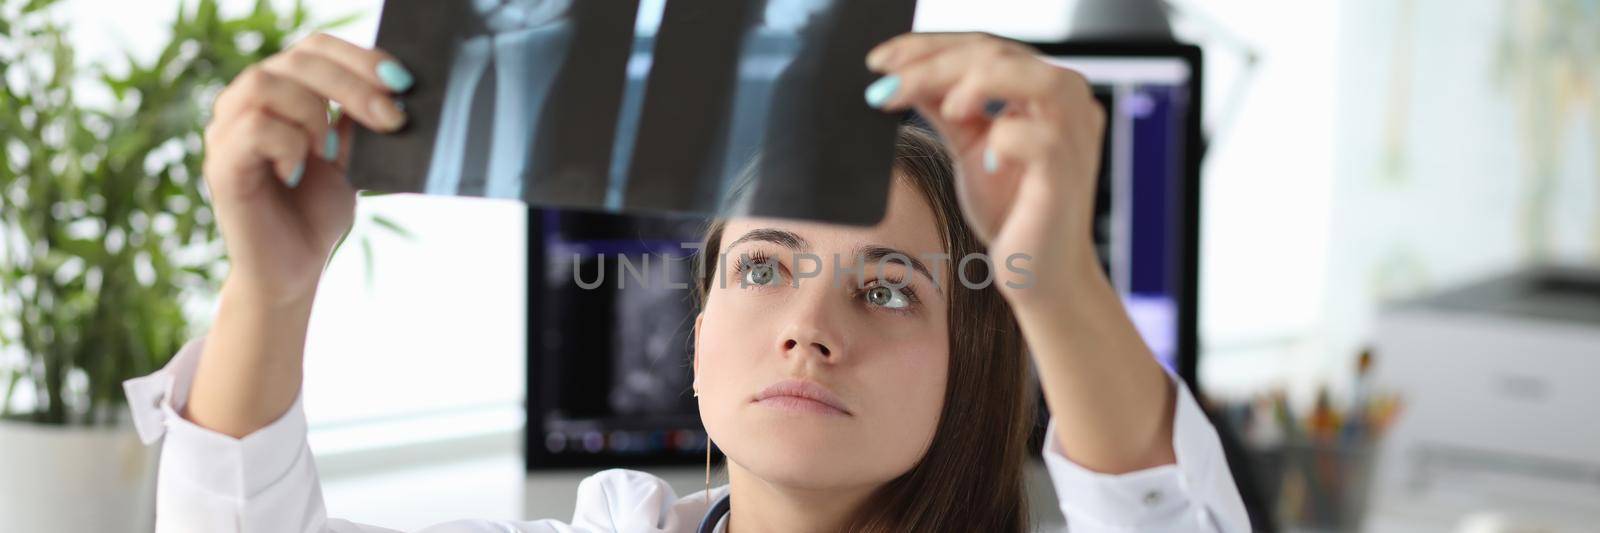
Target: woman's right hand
[(276, 166), (276, 169)]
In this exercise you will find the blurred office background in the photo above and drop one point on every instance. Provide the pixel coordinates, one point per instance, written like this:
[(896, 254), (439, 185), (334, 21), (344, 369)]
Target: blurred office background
[(1362, 152)]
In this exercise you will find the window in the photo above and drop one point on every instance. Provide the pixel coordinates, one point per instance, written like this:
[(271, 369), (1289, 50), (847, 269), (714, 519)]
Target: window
[(431, 345)]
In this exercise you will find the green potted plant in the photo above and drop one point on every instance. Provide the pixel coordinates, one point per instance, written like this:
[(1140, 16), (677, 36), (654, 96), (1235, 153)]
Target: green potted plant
[(106, 238)]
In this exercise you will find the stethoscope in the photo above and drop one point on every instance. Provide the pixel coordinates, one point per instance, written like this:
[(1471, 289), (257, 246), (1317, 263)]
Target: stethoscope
[(714, 515)]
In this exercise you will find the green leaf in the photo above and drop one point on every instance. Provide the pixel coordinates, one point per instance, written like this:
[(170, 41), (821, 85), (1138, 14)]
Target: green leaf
[(35, 5), (393, 227), (367, 259), (339, 22), (89, 250)]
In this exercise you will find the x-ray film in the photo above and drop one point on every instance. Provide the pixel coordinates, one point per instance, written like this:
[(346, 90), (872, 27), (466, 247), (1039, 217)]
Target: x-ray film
[(724, 107)]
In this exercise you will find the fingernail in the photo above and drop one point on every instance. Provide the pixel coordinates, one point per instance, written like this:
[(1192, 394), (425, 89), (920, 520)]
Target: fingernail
[(388, 113), (330, 146), (295, 175), (880, 91), (395, 76), (991, 162)]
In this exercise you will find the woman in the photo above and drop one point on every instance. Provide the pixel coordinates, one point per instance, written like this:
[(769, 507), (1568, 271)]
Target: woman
[(896, 404)]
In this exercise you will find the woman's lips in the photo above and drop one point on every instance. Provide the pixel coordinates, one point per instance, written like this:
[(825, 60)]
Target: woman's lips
[(802, 396)]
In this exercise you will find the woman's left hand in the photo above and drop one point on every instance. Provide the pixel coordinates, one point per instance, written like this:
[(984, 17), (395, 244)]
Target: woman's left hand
[(1027, 186), (1028, 173)]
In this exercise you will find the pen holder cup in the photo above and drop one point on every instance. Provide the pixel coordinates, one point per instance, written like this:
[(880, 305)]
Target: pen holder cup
[(1321, 486)]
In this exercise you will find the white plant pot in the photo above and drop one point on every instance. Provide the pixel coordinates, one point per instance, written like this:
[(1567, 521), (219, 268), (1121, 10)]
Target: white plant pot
[(71, 479)]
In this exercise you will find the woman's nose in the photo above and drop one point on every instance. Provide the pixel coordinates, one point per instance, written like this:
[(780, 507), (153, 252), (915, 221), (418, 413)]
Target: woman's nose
[(790, 345), (811, 329)]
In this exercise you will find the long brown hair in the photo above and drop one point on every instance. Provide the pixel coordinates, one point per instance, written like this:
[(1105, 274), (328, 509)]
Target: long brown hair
[(971, 478)]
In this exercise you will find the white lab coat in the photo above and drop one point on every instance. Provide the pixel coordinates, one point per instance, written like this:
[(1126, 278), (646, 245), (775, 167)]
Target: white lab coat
[(267, 481)]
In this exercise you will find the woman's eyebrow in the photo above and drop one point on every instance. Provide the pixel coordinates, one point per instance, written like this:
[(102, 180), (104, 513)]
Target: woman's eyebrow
[(872, 253), (784, 238)]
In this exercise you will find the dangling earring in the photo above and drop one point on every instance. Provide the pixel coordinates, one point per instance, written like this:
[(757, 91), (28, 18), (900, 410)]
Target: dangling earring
[(708, 460), (708, 471), (696, 387)]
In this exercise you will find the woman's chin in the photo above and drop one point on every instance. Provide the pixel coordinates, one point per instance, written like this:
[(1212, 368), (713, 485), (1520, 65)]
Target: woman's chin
[(803, 468), (801, 453), (801, 436)]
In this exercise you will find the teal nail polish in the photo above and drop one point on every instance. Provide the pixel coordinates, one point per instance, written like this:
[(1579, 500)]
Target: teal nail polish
[(395, 76), (880, 91), (294, 176), (330, 146), (991, 162)]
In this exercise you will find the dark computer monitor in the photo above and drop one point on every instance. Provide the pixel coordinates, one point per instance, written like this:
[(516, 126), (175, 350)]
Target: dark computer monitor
[(608, 366), (608, 369), (1147, 224)]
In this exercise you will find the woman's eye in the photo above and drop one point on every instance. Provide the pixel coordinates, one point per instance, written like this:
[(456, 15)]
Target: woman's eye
[(760, 274), (887, 297)]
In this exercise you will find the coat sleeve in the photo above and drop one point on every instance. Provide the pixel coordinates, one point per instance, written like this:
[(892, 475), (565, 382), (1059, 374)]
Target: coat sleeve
[(1195, 494), (264, 482), (208, 481)]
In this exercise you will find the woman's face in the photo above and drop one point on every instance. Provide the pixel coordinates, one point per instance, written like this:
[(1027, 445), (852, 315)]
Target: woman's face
[(836, 381)]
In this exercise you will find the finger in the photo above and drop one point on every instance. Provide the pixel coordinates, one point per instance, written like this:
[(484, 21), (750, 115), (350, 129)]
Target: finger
[(1027, 82), (375, 66), (262, 138), (331, 173), (1028, 158), (1015, 138), (341, 132), (961, 136), (326, 197), (256, 87), (987, 194), (346, 129), (1012, 141), (926, 80), (911, 47), (367, 102)]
